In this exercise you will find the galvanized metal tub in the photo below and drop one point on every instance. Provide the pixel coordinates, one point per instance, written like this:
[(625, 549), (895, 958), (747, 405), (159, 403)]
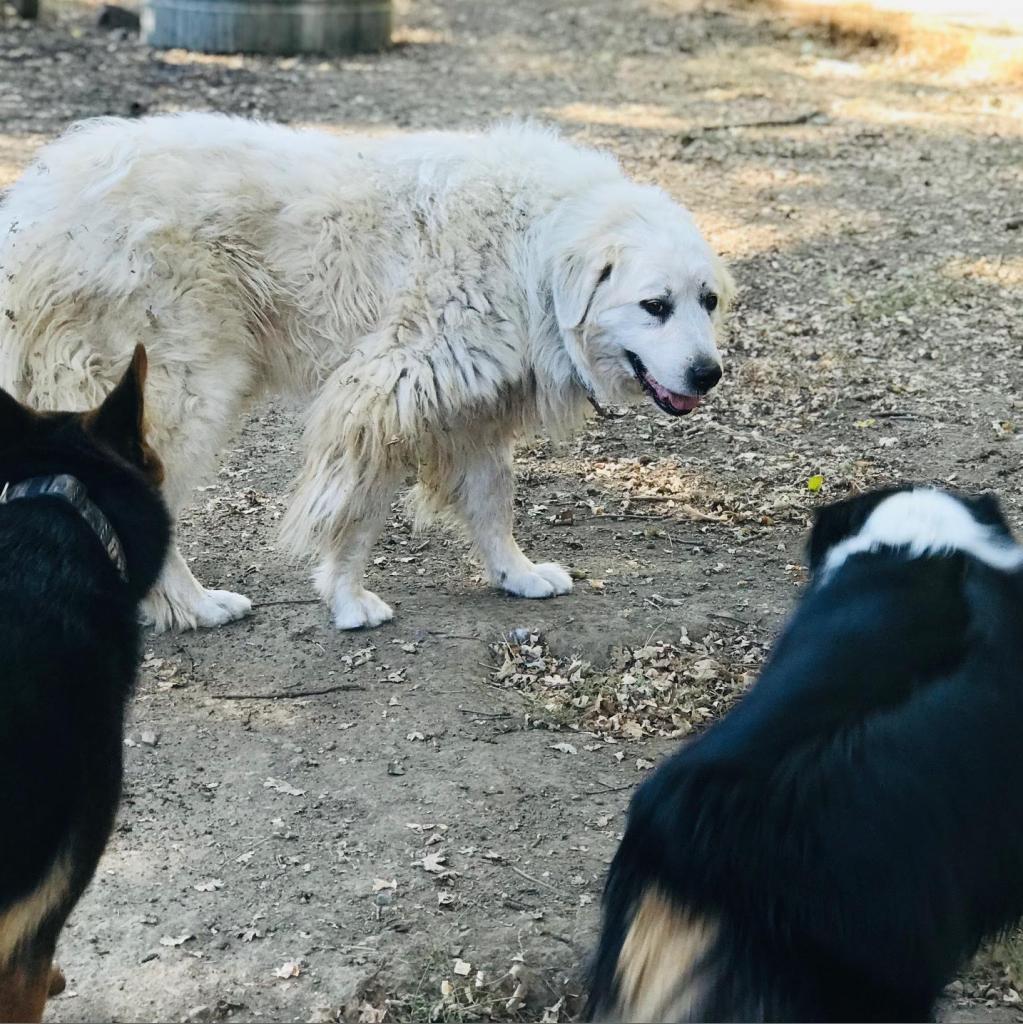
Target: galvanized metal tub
[(268, 26)]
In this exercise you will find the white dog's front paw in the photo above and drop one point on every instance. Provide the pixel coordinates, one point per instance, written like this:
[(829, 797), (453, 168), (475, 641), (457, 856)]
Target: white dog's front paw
[(206, 609), (556, 575), (547, 579), (359, 609), (220, 606)]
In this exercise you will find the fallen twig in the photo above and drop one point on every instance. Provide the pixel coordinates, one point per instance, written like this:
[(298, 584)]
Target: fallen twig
[(539, 881), (287, 695), (457, 636), (609, 789), (771, 122), (619, 516), (288, 600)]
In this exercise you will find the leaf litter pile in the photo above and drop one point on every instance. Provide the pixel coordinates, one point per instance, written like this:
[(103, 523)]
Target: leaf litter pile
[(660, 689)]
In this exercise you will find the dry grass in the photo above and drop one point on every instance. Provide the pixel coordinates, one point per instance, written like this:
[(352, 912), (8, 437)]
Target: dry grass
[(980, 42)]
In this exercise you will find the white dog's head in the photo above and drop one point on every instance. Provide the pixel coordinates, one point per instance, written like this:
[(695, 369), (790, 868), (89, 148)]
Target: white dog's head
[(638, 296)]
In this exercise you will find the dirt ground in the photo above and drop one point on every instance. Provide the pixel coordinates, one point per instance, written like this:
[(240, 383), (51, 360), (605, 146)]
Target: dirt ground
[(319, 824)]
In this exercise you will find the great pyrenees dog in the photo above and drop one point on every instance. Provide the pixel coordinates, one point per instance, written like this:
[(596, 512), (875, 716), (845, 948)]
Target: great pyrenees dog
[(435, 297)]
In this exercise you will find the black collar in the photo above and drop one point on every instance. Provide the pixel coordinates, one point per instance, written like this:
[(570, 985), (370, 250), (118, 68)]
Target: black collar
[(72, 491)]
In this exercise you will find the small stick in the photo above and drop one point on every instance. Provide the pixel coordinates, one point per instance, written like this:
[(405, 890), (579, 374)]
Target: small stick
[(291, 695), (457, 636), (608, 789), (538, 881), (485, 714), (291, 600), (728, 618), (619, 516), (780, 122)]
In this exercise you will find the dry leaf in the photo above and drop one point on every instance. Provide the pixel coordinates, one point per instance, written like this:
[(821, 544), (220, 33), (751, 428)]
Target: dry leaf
[(552, 1014), (210, 885), (289, 969), (380, 884), (433, 863), (565, 748), (283, 787), (180, 940), (370, 1014)]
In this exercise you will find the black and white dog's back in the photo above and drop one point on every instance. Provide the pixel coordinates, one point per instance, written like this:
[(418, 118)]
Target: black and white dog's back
[(826, 851)]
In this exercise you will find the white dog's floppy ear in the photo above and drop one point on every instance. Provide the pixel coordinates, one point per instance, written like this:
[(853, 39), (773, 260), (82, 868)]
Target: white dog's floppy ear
[(575, 284), (725, 284)]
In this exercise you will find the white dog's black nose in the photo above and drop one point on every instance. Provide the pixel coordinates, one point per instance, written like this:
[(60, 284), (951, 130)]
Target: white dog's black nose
[(703, 376)]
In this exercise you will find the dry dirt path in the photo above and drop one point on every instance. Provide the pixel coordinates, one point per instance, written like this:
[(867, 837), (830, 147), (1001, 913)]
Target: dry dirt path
[(872, 215)]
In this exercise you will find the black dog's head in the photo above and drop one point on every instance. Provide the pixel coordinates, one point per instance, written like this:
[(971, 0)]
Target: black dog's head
[(842, 520), (115, 429), (105, 449)]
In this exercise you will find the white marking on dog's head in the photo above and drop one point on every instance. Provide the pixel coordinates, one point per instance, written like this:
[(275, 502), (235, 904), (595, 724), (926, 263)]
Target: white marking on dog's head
[(925, 521), (639, 295)]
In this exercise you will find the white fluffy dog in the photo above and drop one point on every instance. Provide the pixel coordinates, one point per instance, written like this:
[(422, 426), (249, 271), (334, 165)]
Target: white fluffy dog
[(436, 295)]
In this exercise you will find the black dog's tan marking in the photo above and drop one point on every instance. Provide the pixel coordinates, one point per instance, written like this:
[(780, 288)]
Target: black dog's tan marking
[(658, 973), (27, 978), (83, 535), (20, 922)]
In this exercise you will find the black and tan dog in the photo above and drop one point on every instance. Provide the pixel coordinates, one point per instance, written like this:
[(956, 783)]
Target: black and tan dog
[(83, 535), (838, 845)]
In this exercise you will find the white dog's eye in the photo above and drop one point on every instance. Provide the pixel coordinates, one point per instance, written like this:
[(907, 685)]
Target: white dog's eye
[(709, 301), (660, 308)]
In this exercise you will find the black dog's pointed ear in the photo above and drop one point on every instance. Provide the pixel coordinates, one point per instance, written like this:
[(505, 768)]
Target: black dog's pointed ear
[(14, 418), (831, 524), (119, 421), (987, 509)]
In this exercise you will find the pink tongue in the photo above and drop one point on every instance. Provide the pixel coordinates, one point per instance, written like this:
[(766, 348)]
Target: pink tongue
[(683, 403)]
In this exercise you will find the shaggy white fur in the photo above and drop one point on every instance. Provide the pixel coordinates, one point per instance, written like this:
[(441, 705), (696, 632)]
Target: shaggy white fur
[(438, 294)]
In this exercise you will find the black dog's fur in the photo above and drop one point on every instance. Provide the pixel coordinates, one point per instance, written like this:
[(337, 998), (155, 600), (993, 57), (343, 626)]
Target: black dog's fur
[(70, 643), (840, 843)]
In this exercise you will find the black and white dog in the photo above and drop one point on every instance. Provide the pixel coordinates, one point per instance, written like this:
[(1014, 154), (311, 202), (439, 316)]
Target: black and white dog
[(838, 845)]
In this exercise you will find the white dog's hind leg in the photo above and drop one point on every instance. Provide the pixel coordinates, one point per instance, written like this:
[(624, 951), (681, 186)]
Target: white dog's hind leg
[(339, 578), (482, 490)]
